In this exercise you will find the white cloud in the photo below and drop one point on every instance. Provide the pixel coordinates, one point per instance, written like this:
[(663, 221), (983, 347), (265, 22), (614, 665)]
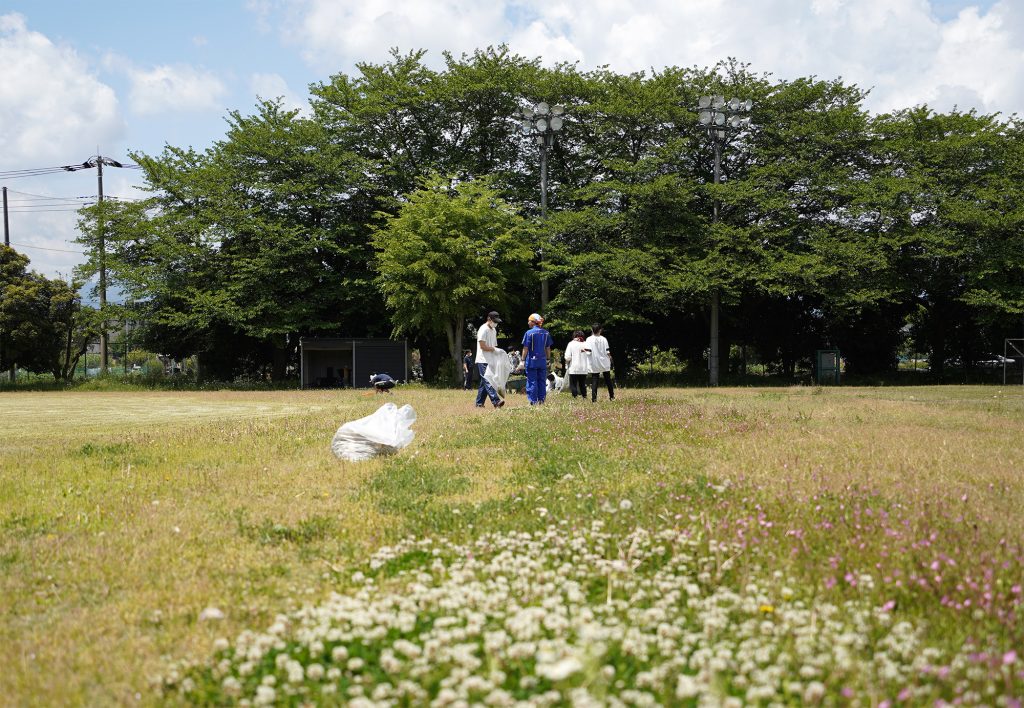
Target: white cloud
[(329, 32), (901, 49), (53, 109), (981, 56), (271, 86), (172, 88)]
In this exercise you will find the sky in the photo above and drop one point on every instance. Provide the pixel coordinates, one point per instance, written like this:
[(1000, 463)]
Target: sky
[(112, 77)]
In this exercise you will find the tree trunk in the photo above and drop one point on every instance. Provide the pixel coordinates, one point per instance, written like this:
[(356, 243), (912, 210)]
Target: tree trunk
[(431, 349), (460, 328), (280, 361), (449, 330), (67, 372)]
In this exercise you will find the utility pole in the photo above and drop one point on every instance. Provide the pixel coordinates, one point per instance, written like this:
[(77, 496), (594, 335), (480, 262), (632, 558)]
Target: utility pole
[(7, 242), (7, 226), (102, 264)]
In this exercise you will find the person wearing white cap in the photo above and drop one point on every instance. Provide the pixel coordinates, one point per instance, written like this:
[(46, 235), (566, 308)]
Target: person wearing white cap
[(537, 343)]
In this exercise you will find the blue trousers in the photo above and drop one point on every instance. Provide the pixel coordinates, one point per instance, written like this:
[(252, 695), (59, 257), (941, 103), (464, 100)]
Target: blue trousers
[(536, 383), (485, 390)]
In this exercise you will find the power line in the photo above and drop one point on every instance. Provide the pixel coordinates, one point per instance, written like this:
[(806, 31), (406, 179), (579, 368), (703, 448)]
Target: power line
[(27, 198), (45, 202), (39, 171), (22, 210), (42, 196), (43, 248)]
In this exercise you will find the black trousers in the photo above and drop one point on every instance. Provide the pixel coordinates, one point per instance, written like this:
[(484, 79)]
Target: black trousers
[(578, 385), (607, 382)]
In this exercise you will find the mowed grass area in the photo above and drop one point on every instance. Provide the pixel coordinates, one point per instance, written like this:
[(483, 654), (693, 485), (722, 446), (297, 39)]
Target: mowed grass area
[(123, 516)]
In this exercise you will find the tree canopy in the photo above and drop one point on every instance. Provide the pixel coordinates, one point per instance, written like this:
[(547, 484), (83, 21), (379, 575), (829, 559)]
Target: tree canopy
[(407, 200)]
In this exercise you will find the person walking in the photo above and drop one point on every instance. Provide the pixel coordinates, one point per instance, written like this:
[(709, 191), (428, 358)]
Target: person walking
[(486, 344), (537, 344), (467, 369), (600, 362), (577, 364)]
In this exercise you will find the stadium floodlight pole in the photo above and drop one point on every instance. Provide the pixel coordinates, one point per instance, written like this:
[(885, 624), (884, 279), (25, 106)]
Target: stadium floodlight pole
[(542, 122), (721, 119)]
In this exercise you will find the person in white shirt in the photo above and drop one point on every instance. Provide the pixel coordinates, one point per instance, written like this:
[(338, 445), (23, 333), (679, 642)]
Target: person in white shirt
[(486, 345), (600, 362), (577, 364)]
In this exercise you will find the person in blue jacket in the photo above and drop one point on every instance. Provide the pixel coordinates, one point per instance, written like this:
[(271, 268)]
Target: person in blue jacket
[(537, 344)]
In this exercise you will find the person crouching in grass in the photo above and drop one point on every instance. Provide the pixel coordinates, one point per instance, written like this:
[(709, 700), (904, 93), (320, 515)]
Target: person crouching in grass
[(382, 383)]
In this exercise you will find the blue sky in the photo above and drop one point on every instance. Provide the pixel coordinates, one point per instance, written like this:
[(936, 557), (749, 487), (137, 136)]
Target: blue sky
[(120, 76)]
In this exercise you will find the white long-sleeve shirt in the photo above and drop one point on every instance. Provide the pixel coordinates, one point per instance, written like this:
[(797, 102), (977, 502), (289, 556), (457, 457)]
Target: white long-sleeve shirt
[(577, 358)]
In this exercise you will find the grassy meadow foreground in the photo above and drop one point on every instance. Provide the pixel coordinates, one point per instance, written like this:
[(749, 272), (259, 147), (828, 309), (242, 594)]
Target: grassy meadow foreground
[(732, 546)]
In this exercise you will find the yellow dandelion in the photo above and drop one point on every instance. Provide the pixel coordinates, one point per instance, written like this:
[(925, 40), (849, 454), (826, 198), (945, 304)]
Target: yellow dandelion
[(767, 609)]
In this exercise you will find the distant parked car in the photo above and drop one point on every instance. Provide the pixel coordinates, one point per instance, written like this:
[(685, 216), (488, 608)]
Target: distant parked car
[(995, 360)]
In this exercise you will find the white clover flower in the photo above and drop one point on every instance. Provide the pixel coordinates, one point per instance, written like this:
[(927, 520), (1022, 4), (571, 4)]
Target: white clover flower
[(814, 692), (265, 696), (315, 672), (295, 672), (560, 670), (625, 505), (231, 687), (211, 614)]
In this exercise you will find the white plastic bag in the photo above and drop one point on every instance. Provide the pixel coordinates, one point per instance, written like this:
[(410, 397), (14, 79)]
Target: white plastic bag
[(381, 433), (498, 370)]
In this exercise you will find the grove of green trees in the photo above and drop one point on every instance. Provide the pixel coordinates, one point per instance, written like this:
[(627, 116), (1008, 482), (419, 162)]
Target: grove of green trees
[(407, 201), (43, 326)]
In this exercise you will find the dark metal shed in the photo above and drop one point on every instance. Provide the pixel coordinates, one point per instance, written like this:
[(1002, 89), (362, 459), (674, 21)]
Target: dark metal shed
[(332, 362)]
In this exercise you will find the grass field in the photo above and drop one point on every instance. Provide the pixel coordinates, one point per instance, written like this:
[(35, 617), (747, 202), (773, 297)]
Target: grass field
[(795, 545)]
